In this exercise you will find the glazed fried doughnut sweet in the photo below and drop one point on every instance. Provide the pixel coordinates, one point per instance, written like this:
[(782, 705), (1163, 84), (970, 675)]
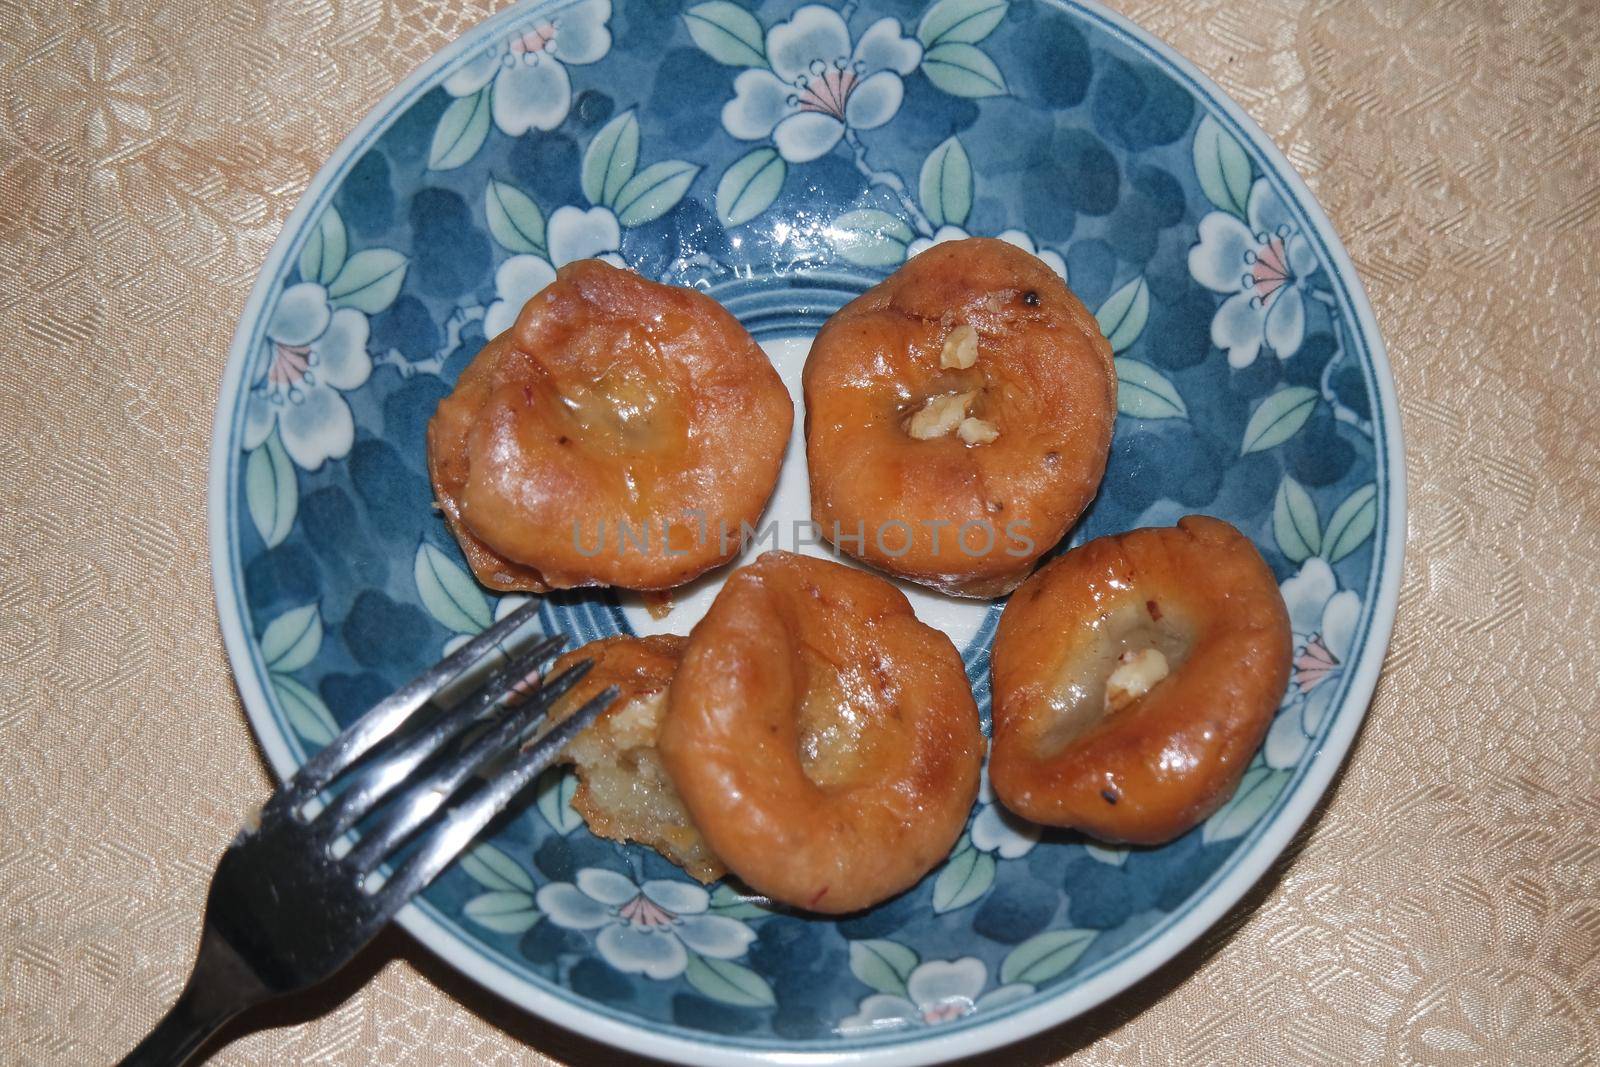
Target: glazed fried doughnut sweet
[(958, 417), (608, 436), (825, 742), (1134, 677), (624, 793)]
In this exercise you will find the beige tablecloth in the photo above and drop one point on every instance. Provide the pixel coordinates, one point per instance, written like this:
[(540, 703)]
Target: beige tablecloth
[(1444, 905)]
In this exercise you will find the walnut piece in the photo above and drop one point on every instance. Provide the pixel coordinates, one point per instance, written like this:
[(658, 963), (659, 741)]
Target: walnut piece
[(960, 348), (939, 416), (976, 431), (1137, 673)]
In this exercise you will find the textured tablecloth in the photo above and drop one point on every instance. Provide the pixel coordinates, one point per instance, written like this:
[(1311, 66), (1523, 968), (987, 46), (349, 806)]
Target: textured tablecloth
[(1442, 907)]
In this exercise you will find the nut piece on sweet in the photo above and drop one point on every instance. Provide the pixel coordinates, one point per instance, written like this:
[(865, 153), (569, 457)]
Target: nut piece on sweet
[(977, 431), (960, 348), (938, 416), (1137, 673)]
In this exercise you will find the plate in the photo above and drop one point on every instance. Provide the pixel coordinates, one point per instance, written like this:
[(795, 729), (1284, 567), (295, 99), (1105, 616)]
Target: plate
[(784, 157)]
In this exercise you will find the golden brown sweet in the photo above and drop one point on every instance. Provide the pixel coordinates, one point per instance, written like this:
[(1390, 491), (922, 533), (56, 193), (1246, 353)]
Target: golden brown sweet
[(958, 417), (1134, 677), (624, 793), (825, 742), (608, 437)]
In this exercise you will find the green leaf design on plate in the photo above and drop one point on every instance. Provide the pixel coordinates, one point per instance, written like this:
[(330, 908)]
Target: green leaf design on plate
[(610, 159), (960, 21), (729, 982), (271, 491), (514, 219), (1114, 857), (654, 191), (1294, 521), (871, 238), (1222, 167), (731, 904), (1043, 956), (966, 877), (449, 593), (554, 791), (369, 281), (883, 965), (305, 710), (962, 70), (324, 251), (505, 912), (1279, 418), (1257, 790), (1145, 393), (292, 639), (492, 868), (946, 184), (727, 33), (1123, 315), (1352, 523), (750, 185), (461, 131)]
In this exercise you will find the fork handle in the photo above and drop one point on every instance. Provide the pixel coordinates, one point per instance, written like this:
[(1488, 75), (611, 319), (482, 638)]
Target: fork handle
[(179, 1033), (219, 988)]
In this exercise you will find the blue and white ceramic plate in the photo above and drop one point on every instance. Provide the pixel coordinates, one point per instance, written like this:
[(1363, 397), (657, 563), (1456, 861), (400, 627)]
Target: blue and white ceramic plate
[(783, 157)]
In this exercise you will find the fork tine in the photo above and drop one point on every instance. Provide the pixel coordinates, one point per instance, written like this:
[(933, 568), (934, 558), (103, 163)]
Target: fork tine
[(464, 823), (387, 715), (372, 783), (426, 796)]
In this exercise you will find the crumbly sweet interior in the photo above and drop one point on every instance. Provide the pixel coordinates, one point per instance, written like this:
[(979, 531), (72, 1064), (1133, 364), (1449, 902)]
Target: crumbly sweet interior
[(623, 791)]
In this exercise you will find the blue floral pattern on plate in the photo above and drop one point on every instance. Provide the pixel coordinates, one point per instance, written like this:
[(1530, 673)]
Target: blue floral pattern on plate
[(783, 157)]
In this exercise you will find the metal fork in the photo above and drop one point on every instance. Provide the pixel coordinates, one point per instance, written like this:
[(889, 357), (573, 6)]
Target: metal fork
[(292, 900)]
